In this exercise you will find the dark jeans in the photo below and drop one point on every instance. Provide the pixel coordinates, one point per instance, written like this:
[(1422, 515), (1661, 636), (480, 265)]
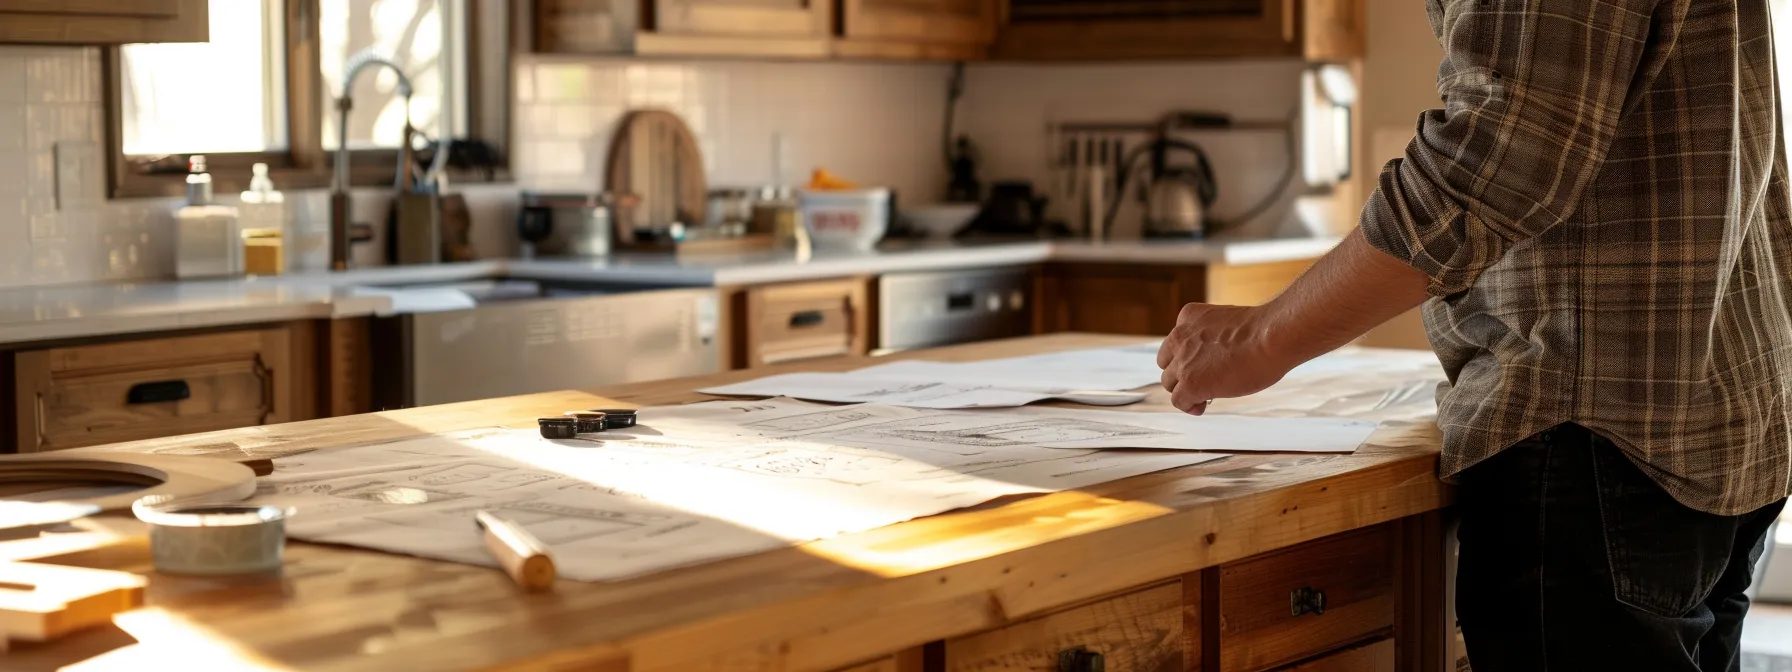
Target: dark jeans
[(1573, 559)]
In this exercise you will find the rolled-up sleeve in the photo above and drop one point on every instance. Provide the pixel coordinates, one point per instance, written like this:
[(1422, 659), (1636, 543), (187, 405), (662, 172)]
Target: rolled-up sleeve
[(1533, 93)]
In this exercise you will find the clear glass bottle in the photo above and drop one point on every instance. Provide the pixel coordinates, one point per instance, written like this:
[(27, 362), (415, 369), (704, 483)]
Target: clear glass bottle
[(208, 236), (264, 222)]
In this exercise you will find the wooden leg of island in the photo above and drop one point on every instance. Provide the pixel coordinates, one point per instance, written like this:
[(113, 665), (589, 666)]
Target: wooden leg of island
[(1368, 600)]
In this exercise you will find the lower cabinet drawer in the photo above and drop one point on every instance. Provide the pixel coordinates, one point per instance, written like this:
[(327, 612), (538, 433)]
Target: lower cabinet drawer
[(151, 388), (1377, 656), (1135, 632), (1289, 605), (789, 323)]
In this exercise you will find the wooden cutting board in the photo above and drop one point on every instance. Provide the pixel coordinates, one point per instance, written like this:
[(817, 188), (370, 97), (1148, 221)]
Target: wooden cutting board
[(655, 157)]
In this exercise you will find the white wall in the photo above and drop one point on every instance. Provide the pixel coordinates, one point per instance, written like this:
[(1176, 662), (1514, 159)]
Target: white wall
[(1008, 110), (870, 123)]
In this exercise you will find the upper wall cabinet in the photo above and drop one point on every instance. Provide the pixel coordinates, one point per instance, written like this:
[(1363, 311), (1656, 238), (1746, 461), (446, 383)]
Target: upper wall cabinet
[(102, 21), (1317, 30), (928, 29), (775, 28)]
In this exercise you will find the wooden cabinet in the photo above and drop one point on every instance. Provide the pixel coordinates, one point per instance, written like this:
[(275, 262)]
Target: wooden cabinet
[(1324, 606), (84, 395), (1144, 29), (1143, 631), (1284, 606), (1114, 299), (102, 21), (1374, 657), (924, 29), (785, 28), (774, 324), (1144, 300), (747, 18)]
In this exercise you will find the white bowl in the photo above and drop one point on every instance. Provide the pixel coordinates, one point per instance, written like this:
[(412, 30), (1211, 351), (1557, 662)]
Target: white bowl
[(850, 220), (943, 219)]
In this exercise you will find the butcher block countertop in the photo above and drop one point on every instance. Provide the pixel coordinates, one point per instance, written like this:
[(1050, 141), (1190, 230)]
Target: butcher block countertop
[(826, 605)]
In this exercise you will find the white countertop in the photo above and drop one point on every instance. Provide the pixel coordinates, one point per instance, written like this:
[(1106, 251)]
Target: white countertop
[(75, 311)]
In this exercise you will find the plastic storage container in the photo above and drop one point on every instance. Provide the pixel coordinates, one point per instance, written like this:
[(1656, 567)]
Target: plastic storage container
[(845, 220)]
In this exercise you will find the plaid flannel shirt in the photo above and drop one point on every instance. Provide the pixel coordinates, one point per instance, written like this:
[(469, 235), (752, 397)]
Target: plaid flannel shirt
[(1602, 209)]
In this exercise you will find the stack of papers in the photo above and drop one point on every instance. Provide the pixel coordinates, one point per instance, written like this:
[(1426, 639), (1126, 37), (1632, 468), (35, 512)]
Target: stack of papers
[(720, 479), (1096, 377)]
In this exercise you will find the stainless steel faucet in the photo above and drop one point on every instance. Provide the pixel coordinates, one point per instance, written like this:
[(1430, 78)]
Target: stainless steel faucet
[(339, 199)]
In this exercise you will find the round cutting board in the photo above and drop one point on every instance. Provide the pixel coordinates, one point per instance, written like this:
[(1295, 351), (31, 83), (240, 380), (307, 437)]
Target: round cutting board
[(655, 157)]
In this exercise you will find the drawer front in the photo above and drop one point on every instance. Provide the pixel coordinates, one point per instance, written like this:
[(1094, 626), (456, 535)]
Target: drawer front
[(1135, 632), (1377, 656), (1291, 604), (91, 395), (789, 323)]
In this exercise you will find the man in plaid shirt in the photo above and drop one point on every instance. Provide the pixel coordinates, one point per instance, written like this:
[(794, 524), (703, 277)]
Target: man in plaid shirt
[(1597, 225)]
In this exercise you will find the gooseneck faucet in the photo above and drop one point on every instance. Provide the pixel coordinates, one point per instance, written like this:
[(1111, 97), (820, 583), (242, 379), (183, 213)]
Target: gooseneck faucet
[(339, 199)]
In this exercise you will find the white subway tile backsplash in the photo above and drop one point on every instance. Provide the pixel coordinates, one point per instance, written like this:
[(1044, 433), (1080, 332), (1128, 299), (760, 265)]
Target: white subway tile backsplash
[(43, 123), (12, 75), (857, 119), (40, 177), (12, 128)]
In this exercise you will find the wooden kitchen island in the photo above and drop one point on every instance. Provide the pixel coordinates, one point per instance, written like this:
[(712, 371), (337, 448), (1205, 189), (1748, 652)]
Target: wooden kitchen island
[(1317, 563)]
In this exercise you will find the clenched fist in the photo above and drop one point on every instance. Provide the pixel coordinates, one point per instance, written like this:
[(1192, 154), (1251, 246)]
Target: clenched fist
[(1219, 352)]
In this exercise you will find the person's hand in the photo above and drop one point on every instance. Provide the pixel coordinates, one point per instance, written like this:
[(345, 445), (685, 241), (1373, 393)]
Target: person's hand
[(1218, 352)]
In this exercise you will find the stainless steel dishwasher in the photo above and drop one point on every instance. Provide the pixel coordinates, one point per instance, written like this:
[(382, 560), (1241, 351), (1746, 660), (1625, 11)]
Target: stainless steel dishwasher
[(923, 310), (523, 337)]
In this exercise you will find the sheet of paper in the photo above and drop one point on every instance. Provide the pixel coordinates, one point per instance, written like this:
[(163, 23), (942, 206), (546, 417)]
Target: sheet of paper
[(1108, 369), (910, 391), (692, 483)]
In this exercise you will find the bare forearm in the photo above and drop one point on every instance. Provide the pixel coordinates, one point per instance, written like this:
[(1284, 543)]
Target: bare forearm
[(1349, 291)]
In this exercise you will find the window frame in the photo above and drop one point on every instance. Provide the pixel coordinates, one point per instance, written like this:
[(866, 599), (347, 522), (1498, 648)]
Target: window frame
[(305, 164)]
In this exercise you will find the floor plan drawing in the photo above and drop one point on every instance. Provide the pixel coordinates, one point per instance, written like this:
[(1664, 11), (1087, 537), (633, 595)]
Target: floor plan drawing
[(811, 421)]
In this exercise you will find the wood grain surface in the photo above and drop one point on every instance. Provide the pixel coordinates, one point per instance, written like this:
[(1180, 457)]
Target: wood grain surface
[(1137, 631), (822, 606)]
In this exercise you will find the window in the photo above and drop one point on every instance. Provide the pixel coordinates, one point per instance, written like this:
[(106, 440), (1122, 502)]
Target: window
[(264, 89), (232, 103), (410, 33)]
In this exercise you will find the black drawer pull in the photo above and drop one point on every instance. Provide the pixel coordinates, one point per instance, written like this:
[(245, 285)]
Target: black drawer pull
[(157, 392), (1081, 659), (807, 318), (1302, 601)]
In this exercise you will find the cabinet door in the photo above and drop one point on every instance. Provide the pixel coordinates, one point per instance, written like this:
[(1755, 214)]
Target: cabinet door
[(103, 21), (1119, 29), (1115, 299), (744, 18), (955, 21), (1143, 631)]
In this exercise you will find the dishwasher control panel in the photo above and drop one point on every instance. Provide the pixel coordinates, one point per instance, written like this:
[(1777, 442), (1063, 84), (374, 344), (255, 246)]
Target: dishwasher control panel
[(922, 310)]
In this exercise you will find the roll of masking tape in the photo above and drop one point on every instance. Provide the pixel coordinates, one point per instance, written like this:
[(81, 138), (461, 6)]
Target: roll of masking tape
[(213, 538)]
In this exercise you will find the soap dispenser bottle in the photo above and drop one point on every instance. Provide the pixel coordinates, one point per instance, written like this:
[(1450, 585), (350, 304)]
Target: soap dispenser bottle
[(264, 221), (208, 238)]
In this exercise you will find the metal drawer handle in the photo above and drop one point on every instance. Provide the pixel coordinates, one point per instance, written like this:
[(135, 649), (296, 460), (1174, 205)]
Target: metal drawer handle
[(807, 318), (159, 391), (1304, 600), (1081, 659)]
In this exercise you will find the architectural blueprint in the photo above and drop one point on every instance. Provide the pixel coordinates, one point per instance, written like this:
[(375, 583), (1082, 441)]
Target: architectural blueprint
[(701, 482)]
